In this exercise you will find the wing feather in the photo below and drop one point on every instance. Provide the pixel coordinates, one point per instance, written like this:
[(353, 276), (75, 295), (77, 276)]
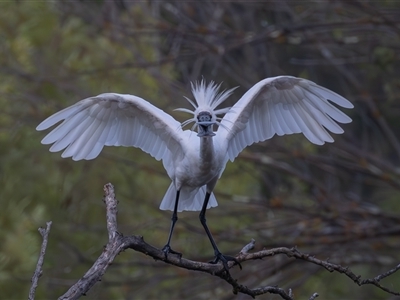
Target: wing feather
[(326, 107), (112, 120), (61, 131), (62, 115), (283, 126), (74, 137), (276, 120), (268, 116), (282, 105), (108, 126), (292, 126), (301, 120)]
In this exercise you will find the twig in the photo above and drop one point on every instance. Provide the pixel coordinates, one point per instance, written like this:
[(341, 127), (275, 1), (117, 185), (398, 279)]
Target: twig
[(375, 281), (313, 296), (248, 247), (293, 252), (39, 265)]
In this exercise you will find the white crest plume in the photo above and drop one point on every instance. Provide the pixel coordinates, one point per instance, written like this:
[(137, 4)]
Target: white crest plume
[(207, 98)]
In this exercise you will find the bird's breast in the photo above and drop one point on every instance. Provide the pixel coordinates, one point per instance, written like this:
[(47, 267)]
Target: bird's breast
[(195, 171)]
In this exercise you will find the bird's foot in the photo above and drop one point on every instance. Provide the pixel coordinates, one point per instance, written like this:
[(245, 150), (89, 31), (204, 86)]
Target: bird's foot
[(224, 259), (167, 249)]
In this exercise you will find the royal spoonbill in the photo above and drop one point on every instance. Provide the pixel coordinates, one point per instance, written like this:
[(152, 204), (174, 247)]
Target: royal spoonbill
[(194, 162)]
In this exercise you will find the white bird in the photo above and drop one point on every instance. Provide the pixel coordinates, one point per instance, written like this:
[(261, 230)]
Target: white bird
[(279, 105)]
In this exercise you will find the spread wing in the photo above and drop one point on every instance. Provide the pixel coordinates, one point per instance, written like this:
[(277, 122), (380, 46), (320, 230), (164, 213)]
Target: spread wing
[(112, 120), (282, 105)]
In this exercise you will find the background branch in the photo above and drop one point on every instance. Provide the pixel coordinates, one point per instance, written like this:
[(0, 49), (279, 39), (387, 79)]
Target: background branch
[(38, 271)]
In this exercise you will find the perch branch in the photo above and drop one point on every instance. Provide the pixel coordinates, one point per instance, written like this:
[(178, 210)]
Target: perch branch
[(118, 243)]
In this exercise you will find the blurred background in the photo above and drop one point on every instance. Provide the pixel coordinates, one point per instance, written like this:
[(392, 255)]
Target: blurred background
[(339, 201)]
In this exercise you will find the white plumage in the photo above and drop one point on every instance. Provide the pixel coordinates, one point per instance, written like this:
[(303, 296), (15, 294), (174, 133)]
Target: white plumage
[(279, 105)]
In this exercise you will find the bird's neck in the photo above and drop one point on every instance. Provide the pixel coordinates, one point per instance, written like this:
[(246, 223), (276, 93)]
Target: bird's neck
[(206, 149)]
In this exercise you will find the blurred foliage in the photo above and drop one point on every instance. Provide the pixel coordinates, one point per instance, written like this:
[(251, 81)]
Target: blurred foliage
[(339, 201)]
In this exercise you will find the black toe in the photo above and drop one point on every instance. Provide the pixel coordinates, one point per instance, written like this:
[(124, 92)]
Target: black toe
[(224, 259), (167, 249)]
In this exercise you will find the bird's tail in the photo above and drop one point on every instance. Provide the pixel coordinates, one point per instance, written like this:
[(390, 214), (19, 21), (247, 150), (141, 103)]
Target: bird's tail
[(189, 199)]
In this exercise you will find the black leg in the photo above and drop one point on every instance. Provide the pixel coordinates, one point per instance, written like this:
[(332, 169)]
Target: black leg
[(167, 248), (218, 255)]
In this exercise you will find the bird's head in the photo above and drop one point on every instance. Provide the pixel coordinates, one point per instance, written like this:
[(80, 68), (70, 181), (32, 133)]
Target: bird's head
[(205, 122), (207, 98)]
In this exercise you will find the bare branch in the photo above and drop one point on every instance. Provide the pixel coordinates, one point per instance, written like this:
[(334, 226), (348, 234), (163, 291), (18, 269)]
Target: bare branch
[(39, 265)]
